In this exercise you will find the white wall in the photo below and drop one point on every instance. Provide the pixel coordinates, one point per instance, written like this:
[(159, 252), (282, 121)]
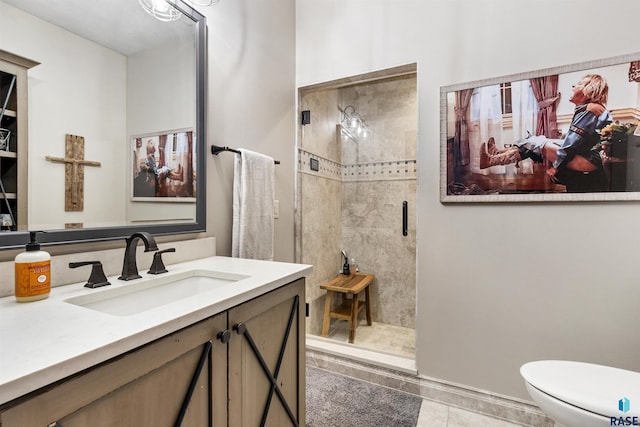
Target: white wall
[(498, 285), (251, 105)]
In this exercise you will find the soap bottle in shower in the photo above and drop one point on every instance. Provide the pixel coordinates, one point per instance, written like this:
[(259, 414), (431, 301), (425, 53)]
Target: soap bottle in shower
[(346, 270), (354, 266)]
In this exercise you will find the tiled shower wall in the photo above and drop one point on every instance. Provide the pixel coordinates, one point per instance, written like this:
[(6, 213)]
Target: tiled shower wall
[(354, 201)]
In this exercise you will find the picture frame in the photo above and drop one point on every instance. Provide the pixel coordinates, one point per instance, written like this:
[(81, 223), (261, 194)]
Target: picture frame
[(163, 166), (484, 123)]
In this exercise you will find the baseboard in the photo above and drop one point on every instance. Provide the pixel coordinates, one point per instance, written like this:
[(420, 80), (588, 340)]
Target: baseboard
[(483, 402)]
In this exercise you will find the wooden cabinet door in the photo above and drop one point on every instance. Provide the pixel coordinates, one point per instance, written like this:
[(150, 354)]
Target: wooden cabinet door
[(146, 387), (267, 359)]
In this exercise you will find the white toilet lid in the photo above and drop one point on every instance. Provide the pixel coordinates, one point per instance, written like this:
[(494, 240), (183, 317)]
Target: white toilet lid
[(594, 388)]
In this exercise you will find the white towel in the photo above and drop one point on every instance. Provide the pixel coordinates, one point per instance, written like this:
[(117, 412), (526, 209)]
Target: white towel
[(253, 195)]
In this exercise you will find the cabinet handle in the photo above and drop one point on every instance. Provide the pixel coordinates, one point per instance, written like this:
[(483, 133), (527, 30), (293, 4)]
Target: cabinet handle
[(405, 218), (224, 336), (240, 328)]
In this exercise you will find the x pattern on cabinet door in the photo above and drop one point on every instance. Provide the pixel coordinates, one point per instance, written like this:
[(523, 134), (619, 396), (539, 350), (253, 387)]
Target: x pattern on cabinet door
[(241, 329)]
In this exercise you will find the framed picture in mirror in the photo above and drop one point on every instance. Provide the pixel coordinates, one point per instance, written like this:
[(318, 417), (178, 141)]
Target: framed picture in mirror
[(163, 167), (561, 134)]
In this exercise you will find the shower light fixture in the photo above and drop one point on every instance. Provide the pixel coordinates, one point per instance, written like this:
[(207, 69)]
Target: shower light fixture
[(353, 124)]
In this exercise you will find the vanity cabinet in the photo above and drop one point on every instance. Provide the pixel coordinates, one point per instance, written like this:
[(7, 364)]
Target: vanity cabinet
[(13, 139), (145, 387), (235, 368)]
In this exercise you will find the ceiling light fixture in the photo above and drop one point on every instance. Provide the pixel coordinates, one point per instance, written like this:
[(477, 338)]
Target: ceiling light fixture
[(203, 3), (166, 11), (161, 10)]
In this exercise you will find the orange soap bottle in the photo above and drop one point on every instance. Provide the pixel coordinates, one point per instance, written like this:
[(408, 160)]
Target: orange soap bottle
[(33, 272)]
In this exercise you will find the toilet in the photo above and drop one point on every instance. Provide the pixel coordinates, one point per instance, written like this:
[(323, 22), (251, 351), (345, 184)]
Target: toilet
[(578, 394)]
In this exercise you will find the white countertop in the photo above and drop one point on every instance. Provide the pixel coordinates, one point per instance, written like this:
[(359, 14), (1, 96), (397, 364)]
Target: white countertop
[(44, 341)]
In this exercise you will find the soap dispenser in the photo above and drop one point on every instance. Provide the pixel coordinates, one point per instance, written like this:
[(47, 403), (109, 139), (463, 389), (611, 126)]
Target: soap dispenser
[(33, 272), (345, 267)]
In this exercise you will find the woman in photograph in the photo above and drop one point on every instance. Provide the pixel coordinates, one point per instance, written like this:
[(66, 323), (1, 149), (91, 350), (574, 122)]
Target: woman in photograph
[(574, 161)]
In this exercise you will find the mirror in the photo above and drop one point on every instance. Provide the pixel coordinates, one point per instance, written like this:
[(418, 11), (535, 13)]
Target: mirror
[(121, 80)]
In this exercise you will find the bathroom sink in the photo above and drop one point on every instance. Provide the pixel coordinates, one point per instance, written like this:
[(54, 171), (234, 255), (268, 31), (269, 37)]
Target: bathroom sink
[(139, 296)]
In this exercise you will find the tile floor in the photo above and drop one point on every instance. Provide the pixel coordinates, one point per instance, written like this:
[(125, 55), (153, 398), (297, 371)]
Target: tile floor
[(379, 337), (434, 414), (400, 341)]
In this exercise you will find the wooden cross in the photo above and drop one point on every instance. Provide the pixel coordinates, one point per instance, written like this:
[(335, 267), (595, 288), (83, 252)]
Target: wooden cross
[(73, 172)]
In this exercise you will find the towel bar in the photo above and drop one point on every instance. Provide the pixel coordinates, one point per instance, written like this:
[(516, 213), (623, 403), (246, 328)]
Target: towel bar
[(216, 149)]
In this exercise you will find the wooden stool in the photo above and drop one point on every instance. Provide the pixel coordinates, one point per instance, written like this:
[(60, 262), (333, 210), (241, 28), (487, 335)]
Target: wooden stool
[(349, 309)]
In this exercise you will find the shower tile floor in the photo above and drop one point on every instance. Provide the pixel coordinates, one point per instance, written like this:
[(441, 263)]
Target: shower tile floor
[(378, 337)]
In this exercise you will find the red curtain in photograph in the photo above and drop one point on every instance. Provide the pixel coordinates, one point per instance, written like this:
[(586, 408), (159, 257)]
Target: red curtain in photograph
[(634, 71), (161, 190), (136, 160), (162, 143), (461, 149), (545, 89), (189, 176)]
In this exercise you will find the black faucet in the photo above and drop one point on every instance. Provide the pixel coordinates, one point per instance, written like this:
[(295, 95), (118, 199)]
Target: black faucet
[(129, 266)]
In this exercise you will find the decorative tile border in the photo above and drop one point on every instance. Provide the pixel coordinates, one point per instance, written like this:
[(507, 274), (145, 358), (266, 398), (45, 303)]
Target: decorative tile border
[(380, 171), (327, 168), (499, 407), (373, 171)]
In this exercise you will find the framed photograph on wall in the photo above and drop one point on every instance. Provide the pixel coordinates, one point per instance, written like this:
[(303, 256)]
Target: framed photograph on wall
[(560, 134), (163, 167)]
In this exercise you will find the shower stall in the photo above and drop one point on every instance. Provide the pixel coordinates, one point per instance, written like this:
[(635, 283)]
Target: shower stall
[(356, 192)]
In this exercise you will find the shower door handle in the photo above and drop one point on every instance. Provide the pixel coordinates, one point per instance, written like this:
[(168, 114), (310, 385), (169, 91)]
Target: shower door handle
[(405, 218)]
